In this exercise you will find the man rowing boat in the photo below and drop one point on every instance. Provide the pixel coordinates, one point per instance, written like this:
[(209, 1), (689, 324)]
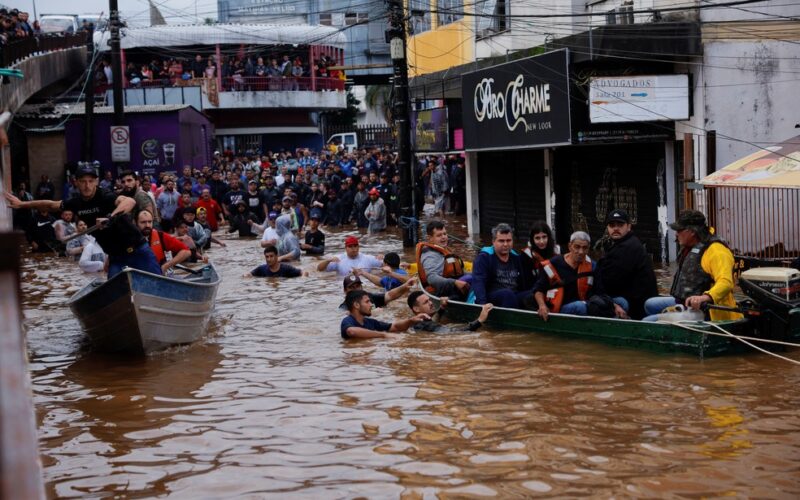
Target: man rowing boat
[(120, 238)]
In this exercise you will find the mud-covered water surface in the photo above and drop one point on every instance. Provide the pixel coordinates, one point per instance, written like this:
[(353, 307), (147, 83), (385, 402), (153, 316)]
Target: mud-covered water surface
[(272, 403)]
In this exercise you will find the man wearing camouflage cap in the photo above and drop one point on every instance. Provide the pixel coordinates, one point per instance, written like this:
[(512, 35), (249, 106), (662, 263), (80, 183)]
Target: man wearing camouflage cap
[(705, 270)]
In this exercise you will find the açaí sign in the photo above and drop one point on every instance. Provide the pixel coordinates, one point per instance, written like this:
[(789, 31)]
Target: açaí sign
[(518, 104)]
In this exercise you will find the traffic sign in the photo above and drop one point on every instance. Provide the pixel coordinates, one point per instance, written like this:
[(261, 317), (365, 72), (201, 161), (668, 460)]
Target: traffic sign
[(120, 143)]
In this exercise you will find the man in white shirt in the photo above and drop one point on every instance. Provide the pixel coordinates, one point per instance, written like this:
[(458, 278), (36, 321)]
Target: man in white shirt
[(270, 237), (351, 259)]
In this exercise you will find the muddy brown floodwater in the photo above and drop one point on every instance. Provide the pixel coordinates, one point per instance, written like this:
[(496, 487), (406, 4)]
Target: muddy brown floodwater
[(274, 404)]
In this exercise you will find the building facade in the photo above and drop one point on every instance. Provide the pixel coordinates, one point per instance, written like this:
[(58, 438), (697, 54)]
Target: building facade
[(364, 23), (658, 96)]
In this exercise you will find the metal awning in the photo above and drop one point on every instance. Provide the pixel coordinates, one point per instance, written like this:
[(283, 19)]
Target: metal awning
[(776, 166), (233, 34)]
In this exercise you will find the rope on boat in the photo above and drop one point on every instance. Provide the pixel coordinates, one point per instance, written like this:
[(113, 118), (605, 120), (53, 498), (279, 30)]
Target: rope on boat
[(743, 339)]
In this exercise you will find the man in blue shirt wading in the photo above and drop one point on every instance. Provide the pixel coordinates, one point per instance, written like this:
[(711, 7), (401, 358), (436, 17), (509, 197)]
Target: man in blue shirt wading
[(358, 324)]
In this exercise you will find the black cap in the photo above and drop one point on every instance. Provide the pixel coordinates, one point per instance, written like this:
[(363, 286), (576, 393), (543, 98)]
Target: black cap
[(351, 280), (618, 215), (86, 169), (689, 219)]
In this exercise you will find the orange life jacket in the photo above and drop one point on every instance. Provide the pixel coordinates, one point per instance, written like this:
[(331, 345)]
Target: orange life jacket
[(555, 294), (157, 246), (453, 265)]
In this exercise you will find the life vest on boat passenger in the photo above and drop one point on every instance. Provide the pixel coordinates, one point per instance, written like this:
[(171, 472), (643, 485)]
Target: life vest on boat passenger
[(453, 264), (555, 294), (157, 246), (691, 278)]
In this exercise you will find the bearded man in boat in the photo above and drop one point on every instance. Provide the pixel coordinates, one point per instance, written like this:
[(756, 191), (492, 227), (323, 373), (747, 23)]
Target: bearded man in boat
[(567, 284), (626, 269), (498, 274), (119, 238), (161, 243), (441, 272), (420, 303), (705, 271)]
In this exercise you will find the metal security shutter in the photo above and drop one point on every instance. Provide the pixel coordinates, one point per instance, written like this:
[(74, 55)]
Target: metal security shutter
[(607, 177), (511, 190)]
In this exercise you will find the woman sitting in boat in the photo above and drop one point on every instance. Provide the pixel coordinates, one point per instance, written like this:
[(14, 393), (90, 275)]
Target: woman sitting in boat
[(567, 282), (541, 247)]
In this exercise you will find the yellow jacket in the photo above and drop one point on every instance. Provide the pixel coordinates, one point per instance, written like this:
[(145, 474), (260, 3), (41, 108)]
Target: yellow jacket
[(718, 262)]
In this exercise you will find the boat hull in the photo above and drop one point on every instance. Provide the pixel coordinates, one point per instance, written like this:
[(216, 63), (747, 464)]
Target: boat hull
[(660, 337), (140, 312)]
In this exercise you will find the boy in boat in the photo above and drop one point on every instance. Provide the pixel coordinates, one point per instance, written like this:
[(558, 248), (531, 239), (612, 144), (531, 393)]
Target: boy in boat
[(358, 324), (441, 272), (419, 303), (705, 271)]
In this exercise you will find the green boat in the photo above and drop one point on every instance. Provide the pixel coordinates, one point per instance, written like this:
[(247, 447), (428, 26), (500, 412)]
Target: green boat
[(772, 313)]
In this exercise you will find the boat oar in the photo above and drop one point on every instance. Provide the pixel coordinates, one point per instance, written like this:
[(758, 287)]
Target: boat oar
[(189, 269), (99, 225)]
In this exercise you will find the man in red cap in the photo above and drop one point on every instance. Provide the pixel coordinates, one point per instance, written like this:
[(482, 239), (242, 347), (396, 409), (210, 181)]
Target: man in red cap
[(376, 212), (351, 259)]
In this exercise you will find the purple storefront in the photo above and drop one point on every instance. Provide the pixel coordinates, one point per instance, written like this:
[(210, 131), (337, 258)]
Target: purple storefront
[(162, 138)]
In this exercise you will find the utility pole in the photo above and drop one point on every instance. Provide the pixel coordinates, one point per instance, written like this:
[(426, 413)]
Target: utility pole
[(88, 121), (396, 36), (116, 66)]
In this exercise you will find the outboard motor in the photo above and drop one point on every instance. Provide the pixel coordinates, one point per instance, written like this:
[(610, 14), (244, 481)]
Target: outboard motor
[(776, 294)]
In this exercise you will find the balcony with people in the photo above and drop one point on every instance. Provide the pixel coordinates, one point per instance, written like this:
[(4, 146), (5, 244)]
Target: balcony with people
[(283, 70)]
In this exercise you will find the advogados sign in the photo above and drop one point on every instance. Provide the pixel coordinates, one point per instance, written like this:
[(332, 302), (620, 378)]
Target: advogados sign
[(518, 104)]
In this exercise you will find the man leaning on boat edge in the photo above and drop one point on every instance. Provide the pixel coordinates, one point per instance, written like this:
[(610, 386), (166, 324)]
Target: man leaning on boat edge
[(119, 238)]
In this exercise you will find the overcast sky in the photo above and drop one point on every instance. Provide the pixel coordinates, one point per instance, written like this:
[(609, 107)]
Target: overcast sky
[(135, 12)]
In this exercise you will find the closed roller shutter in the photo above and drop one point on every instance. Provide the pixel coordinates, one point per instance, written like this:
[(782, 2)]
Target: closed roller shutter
[(511, 190)]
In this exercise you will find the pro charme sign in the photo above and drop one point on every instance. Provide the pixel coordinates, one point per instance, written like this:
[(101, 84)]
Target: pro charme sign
[(519, 104)]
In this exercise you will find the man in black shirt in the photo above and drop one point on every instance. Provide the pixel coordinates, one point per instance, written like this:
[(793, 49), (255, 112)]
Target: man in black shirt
[(315, 239), (419, 302), (273, 268), (119, 238)]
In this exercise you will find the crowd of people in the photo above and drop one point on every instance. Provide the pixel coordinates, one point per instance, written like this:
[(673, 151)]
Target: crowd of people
[(238, 71), (283, 200), (15, 25)]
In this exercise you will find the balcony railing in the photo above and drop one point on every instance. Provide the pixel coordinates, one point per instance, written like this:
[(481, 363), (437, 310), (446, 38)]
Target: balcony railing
[(245, 83), (18, 49)]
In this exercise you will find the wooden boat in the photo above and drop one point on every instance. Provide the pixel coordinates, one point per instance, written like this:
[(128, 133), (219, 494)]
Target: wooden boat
[(771, 317), (140, 312)]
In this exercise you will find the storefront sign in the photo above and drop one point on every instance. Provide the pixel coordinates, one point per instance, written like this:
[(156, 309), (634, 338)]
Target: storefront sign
[(619, 99), (430, 130), (519, 104)]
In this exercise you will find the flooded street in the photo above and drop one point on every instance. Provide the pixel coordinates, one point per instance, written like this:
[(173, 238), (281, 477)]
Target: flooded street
[(274, 404)]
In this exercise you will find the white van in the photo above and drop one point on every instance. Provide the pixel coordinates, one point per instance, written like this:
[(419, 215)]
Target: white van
[(59, 23), (349, 140)]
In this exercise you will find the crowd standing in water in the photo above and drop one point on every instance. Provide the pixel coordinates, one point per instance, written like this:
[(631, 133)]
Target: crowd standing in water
[(285, 200)]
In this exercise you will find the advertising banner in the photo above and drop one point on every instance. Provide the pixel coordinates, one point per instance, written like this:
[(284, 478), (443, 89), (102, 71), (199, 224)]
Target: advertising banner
[(520, 104), (430, 130), (617, 99)]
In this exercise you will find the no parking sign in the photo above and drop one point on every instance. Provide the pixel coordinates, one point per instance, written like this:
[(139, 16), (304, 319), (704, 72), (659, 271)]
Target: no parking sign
[(120, 143)]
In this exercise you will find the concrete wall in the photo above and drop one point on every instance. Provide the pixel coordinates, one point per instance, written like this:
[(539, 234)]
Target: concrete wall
[(41, 71), (48, 154), (278, 99)]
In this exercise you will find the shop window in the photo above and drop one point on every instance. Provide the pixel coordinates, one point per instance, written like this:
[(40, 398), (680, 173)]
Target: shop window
[(450, 11), (332, 19)]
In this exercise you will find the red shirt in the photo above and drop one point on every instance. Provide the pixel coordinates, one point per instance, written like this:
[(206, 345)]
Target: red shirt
[(170, 244), (213, 211)]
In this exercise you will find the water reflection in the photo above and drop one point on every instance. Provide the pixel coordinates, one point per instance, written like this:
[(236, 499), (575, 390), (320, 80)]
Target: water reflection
[(274, 404)]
